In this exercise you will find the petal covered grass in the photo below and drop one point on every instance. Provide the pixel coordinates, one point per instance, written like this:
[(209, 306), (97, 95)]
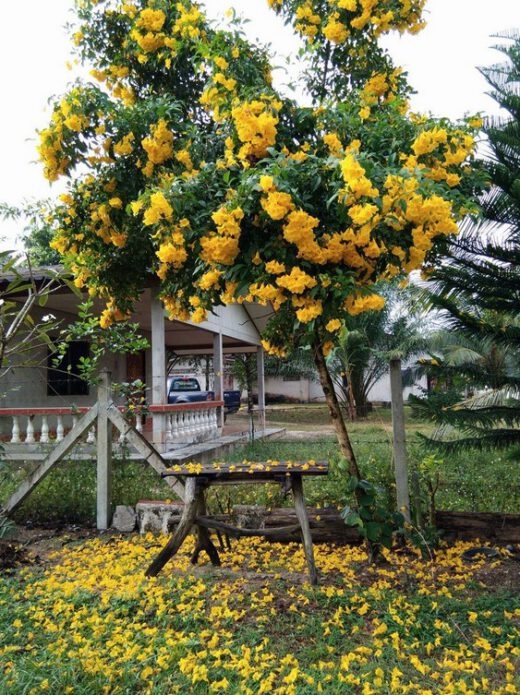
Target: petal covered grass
[(93, 623)]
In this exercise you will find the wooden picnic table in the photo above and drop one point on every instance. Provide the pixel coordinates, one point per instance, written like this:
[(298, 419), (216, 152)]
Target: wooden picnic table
[(200, 477)]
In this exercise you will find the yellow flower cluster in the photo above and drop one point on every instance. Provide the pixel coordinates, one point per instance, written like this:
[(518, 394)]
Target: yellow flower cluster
[(114, 77), (174, 308), (297, 281), (172, 251), (299, 230), (334, 30), (222, 246), (190, 21), (277, 204), (67, 118), (439, 154), (147, 32), (273, 349), (220, 92), (153, 36), (266, 293), (158, 209), (345, 18), (307, 20), (255, 123), (55, 162), (210, 280), (102, 225), (110, 314), (151, 20), (358, 304), (357, 184), (307, 309), (125, 145), (333, 143), (158, 145)]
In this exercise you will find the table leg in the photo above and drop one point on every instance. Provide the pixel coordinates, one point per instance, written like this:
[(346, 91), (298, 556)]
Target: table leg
[(204, 541), (191, 495), (303, 518)]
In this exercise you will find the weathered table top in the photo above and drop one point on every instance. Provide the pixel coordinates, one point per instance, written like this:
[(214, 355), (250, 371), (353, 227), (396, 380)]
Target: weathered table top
[(245, 470)]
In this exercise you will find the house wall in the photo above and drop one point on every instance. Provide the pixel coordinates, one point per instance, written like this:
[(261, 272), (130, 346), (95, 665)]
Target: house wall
[(380, 392), (25, 385), (307, 391), (300, 390)]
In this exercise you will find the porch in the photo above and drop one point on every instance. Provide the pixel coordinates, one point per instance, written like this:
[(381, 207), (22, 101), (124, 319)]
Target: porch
[(188, 432)]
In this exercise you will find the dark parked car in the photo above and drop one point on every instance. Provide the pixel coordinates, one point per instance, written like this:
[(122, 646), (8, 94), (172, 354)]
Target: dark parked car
[(186, 389)]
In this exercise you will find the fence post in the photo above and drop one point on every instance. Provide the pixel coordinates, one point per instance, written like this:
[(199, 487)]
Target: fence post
[(104, 454), (400, 457)]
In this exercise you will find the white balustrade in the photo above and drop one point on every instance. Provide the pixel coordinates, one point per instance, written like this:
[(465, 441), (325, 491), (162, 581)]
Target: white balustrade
[(29, 433), (15, 437), (187, 426), (44, 432), (38, 427), (60, 432), (184, 425)]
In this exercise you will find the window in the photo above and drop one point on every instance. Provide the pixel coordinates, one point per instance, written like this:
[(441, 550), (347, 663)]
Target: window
[(64, 379)]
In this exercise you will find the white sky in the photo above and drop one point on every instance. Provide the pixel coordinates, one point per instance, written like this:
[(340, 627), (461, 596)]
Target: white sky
[(34, 49)]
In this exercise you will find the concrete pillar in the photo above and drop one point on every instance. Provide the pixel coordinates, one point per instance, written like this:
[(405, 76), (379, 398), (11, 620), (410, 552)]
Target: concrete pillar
[(104, 455), (260, 385), (158, 381), (218, 369)]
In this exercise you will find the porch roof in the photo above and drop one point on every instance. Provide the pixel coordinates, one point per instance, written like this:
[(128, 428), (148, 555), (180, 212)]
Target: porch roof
[(241, 325)]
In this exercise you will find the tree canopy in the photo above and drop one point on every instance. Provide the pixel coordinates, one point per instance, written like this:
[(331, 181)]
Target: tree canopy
[(187, 169), (184, 163)]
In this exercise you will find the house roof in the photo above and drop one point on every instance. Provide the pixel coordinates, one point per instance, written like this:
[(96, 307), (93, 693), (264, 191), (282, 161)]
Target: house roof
[(241, 325)]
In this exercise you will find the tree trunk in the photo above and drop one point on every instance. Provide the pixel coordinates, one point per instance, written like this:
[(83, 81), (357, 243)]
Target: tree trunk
[(359, 395), (346, 385), (335, 411)]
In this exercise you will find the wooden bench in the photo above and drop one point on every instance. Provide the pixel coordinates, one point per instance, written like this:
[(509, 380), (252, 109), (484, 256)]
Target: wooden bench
[(199, 477)]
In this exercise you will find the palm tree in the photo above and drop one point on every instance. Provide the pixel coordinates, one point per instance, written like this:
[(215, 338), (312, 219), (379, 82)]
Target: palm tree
[(368, 342), (477, 288)]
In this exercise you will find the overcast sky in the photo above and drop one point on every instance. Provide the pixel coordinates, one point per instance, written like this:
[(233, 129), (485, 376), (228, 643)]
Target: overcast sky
[(34, 50)]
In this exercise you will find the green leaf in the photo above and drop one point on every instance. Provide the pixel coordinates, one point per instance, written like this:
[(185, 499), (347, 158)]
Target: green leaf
[(351, 517), (373, 530)]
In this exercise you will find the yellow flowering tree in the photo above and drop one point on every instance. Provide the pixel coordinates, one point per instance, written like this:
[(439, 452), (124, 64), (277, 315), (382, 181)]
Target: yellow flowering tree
[(183, 162)]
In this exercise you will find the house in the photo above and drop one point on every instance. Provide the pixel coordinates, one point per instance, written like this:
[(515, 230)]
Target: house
[(38, 402), (304, 390)]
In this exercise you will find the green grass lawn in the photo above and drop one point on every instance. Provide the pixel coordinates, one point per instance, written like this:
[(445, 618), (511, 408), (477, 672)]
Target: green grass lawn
[(473, 481), (87, 620), (91, 623)]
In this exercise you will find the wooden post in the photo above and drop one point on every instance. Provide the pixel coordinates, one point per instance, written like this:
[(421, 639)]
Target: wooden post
[(104, 455), (400, 457)]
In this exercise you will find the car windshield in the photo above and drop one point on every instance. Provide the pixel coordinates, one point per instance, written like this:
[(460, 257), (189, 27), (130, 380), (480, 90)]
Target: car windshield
[(184, 385)]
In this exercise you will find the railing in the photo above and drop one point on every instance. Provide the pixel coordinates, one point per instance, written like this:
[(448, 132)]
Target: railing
[(189, 423), (184, 424)]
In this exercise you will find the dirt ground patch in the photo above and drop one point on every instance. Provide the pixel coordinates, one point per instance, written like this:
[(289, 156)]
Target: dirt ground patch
[(36, 546)]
